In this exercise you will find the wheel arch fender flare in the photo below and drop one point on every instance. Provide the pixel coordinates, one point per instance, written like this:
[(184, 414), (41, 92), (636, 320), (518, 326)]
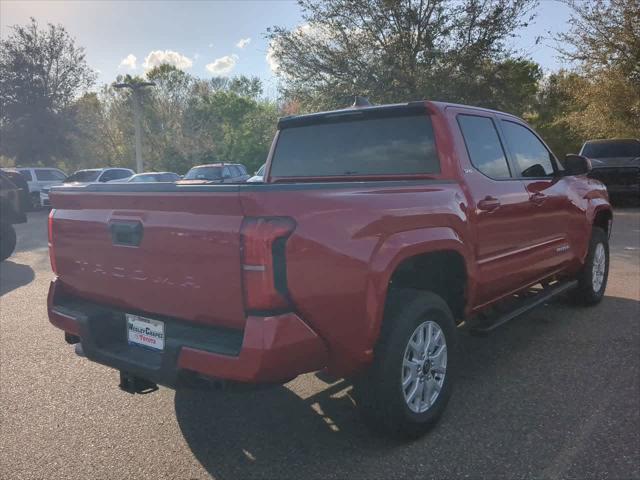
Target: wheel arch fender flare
[(596, 207), (395, 249)]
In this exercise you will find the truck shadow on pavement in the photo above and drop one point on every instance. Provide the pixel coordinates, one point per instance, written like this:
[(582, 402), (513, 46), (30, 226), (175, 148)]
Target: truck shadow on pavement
[(14, 275), (521, 395)]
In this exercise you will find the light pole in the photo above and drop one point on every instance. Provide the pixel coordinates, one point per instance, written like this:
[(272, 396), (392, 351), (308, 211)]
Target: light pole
[(135, 88)]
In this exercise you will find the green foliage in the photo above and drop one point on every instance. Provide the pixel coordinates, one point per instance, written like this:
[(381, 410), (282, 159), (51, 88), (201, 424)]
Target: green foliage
[(41, 73), (554, 105), (240, 127), (396, 51), (186, 121), (604, 44)]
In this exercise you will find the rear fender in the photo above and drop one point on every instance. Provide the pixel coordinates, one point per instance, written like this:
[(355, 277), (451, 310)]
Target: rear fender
[(392, 252)]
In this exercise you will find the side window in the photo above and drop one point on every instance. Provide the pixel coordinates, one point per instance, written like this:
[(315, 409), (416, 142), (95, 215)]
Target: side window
[(45, 175), (120, 174), (235, 171), (243, 170), (484, 147), (106, 176), (531, 156), (226, 173), (26, 174)]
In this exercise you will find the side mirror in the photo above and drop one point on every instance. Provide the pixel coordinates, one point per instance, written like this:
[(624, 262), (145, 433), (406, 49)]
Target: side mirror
[(576, 164)]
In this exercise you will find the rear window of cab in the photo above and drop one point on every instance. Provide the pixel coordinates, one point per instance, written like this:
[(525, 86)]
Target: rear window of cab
[(397, 145)]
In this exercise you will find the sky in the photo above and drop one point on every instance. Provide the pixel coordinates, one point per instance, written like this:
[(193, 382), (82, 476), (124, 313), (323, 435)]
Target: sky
[(207, 38)]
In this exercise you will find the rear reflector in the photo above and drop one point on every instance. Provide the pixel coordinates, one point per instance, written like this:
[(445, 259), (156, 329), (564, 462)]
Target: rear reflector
[(264, 274), (52, 257)]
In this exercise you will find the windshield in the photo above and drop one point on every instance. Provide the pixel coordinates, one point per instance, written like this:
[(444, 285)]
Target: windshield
[(83, 176), (378, 146), (614, 148), (154, 177), (204, 173)]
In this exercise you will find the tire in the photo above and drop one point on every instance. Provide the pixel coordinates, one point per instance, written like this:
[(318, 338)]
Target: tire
[(385, 404), (7, 241), (592, 279)]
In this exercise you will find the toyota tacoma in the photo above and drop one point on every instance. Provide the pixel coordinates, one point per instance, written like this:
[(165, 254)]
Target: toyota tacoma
[(376, 233)]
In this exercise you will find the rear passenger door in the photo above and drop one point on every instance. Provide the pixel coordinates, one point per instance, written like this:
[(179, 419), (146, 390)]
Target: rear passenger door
[(499, 203)]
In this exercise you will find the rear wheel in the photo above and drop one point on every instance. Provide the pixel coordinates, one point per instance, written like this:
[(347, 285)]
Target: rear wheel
[(406, 389), (592, 279), (7, 241)]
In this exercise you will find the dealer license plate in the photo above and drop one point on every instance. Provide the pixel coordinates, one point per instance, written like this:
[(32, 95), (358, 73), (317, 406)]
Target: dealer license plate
[(145, 332)]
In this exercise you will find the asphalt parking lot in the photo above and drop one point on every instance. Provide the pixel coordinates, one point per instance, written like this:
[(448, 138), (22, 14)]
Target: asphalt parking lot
[(554, 394)]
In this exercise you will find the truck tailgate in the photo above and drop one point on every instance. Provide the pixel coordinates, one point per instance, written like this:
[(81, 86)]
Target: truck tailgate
[(165, 250)]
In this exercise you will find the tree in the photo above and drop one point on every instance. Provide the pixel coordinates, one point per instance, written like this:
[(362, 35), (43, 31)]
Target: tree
[(553, 110), (604, 44), (42, 72), (239, 127), (393, 50)]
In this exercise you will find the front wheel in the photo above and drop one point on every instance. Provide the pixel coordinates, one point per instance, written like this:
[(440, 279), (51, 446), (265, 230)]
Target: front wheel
[(7, 241), (592, 279), (406, 389)]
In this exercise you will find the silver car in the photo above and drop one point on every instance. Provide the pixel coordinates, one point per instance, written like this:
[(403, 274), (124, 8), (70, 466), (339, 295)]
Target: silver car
[(91, 175)]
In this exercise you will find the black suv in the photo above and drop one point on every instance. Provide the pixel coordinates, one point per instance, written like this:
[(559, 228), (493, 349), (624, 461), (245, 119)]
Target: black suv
[(11, 212), (616, 163)]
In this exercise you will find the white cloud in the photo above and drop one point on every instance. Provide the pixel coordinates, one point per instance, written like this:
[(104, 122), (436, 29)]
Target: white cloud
[(128, 62), (159, 57), (271, 58), (243, 42), (223, 65)]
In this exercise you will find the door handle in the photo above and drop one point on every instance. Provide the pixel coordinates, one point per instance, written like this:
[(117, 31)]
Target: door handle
[(488, 203), (538, 198)]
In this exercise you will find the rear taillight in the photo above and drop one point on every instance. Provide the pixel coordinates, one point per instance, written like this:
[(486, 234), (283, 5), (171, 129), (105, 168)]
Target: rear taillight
[(52, 257), (264, 273)]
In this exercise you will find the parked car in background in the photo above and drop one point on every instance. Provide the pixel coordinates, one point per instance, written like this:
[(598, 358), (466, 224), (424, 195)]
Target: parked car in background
[(217, 172), (376, 233), (38, 178), (90, 175), (616, 163), (259, 176), (19, 181), (148, 177), (11, 212)]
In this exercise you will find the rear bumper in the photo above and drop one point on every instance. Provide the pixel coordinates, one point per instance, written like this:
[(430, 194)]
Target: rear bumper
[(270, 349)]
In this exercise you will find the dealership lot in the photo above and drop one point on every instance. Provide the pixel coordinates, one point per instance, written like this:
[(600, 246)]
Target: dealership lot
[(555, 393)]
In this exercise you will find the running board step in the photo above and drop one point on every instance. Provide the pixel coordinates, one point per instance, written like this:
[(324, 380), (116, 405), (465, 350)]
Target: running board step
[(526, 305)]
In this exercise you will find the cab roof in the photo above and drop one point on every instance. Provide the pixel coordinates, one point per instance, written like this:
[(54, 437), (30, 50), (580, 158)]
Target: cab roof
[(377, 111)]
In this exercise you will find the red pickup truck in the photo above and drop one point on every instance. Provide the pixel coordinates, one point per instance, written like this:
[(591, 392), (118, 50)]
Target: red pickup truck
[(377, 232)]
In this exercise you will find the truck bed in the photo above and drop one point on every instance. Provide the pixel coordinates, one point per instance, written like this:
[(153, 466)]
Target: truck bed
[(188, 262)]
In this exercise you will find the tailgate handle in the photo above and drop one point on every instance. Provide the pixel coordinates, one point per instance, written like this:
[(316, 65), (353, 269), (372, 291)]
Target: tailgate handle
[(129, 233)]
